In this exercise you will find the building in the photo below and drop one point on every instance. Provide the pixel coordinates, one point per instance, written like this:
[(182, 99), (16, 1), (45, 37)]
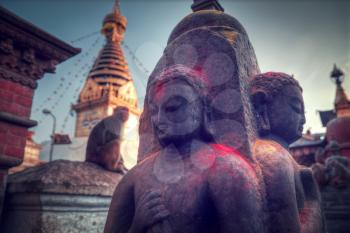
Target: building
[(31, 154), (337, 123), (26, 54), (108, 85)]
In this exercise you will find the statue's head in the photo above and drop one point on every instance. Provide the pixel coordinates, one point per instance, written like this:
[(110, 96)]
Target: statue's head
[(122, 113), (178, 106), (278, 105)]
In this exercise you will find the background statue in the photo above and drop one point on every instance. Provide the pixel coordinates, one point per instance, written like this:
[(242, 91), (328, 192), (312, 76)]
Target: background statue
[(191, 185), (331, 168), (103, 145), (292, 197)]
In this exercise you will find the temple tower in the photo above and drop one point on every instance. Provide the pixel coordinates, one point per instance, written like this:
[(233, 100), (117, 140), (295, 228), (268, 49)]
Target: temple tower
[(109, 83), (341, 102)]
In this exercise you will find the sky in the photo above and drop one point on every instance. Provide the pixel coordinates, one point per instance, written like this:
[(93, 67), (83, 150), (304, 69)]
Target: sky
[(303, 38)]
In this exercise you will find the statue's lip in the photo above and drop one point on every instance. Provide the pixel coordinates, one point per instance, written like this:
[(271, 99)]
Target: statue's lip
[(301, 128)]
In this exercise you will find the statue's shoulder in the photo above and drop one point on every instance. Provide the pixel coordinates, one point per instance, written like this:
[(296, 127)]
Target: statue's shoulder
[(269, 150), (229, 159)]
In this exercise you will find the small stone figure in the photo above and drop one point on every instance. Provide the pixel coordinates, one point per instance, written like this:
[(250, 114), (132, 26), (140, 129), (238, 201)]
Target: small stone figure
[(338, 171), (292, 198), (103, 145), (334, 172), (191, 185)]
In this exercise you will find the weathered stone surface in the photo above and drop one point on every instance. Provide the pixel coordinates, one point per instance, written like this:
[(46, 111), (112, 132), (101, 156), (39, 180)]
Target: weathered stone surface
[(65, 177), (58, 197), (291, 195), (192, 184), (336, 208), (54, 213), (216, 45)]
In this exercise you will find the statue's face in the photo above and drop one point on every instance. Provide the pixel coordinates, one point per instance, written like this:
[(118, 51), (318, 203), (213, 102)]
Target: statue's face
[(286, 114), (176, 112)]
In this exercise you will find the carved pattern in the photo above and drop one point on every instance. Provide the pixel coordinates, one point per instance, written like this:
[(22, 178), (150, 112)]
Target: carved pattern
[(19, 65), (24, 38), (6, 46), (18, 78)]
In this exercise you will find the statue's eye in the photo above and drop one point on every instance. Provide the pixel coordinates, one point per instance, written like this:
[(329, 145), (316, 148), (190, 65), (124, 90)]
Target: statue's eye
[(175, 103), (297, 106)]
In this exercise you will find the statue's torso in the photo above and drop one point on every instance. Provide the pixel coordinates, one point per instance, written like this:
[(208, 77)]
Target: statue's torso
[(284, 191), (186, 196)]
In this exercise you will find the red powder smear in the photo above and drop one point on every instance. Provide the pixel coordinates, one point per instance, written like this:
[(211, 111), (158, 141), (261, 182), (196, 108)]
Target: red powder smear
[(229, 151), (159, 92), (201, 74)]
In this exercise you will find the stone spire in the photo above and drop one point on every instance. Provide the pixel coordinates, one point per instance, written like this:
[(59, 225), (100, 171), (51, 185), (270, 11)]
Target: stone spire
[(110, 67), (109, 83), (199, 5), (341, 102)]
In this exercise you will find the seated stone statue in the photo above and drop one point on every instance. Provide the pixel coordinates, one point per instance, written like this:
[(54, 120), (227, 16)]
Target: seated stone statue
[(292, 198), (103, 145), (191, 185)]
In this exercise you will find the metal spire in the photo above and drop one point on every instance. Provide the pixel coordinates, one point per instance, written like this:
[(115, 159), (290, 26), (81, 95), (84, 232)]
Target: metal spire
[(199, 5), (116, 7), (337, 74)]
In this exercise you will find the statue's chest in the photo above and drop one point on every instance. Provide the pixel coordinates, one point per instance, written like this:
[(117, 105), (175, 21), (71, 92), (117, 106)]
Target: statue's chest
[(185, 196)]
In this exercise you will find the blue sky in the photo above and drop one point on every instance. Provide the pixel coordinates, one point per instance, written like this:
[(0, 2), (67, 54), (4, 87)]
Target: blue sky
[(304, 38)]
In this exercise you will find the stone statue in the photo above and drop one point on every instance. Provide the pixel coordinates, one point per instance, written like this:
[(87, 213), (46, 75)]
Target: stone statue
[(292, 197), (338, 171), (191, 185), (216, 45), (334, 171), (103, 145)]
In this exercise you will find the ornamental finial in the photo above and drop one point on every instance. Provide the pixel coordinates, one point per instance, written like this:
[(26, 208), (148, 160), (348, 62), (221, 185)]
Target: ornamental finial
[(199, 5)]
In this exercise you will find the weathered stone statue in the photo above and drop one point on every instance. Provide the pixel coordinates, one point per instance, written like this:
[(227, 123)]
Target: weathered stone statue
[(334, 171), (103, 146), (292, 198), (191, 185), (216, 45)]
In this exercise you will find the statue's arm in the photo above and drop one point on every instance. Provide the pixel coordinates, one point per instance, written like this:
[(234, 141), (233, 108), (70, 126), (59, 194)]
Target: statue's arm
[(234, 190), (122, 208), (311, 217)]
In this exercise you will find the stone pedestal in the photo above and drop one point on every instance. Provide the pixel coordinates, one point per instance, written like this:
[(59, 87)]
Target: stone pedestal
[(59, 197), (336, 209)]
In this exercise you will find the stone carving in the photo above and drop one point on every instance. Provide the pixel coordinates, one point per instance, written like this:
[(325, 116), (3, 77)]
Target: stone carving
[(201, 168), (330, 168), (292, 197), (26, 55), (103, 145), (216, 45), (192, 184), (6, 46)]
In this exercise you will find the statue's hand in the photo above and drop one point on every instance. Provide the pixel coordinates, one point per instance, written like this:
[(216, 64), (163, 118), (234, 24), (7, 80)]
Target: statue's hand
[(149, 210)]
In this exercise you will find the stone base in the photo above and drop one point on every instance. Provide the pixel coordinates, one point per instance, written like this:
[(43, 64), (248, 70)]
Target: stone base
[(59, 197), (336, 209), (50, 213)]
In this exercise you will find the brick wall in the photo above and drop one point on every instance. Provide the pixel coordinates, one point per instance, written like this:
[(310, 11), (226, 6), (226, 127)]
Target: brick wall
[(17, 100)]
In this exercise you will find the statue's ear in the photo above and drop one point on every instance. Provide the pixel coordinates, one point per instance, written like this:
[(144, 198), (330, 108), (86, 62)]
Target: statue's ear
[(260, 102)]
